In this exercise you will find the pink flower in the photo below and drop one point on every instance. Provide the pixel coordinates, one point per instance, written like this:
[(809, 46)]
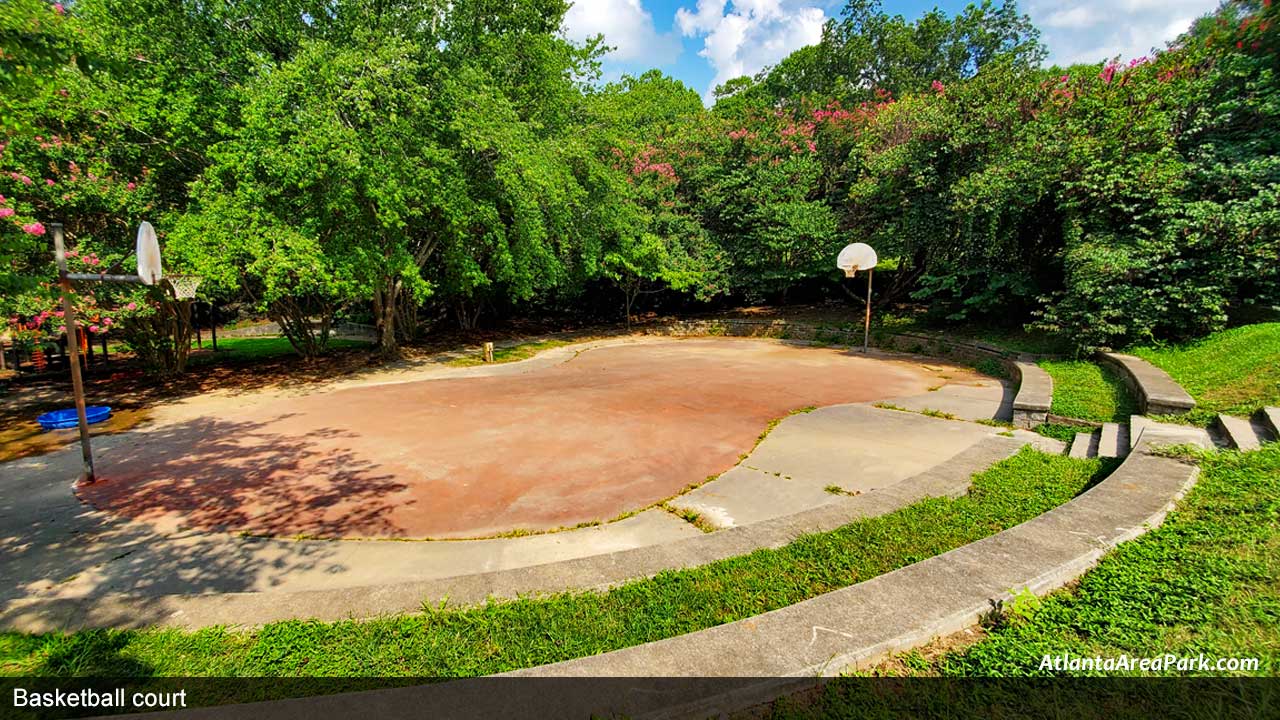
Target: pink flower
[(58, 8), (109, 321), (25, 180), (93, 328), (132, 186), (131, 306), (6, 212), (59, 313), (33, 228), (1064, 79), (48, 181), (939, 87), (1108, 73)]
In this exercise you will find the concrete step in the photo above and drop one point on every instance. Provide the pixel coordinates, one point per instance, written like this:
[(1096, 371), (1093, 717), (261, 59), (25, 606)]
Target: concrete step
[(1114, 441), (1138, 424), (1085, 445), (1271, 418), (1240, 433), (1143, 428)]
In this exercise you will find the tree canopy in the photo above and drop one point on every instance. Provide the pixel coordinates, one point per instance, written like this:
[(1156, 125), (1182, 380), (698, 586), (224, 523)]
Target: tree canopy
[(396, 160)]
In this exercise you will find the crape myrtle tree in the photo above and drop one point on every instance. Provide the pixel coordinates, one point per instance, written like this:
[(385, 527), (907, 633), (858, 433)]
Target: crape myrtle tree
[(656, 242)]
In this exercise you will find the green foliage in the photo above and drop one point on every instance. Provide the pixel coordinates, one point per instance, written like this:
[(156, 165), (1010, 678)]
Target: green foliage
[(1204, 582), (505, 635), (314, 157), (1089, 391), (1235, 371)]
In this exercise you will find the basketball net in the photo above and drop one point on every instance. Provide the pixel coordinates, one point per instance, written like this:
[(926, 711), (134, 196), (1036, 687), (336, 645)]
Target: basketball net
[(184, 286)]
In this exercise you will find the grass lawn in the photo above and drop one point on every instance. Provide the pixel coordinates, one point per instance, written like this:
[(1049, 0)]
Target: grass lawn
[(1089, 391), (1235, 371), (505, 635), (1204, 582), (523, 351), (249, 349)]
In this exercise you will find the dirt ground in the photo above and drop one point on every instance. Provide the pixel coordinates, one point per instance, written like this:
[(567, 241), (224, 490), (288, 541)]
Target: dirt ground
[(616, 429)]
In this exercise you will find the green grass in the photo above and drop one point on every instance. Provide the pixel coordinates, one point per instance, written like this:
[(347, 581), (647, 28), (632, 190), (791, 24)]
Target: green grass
[(505, 635), (1089, 391), (523, 351), (1065, 433), (249, 349), (1235, 371), (1204, 582)]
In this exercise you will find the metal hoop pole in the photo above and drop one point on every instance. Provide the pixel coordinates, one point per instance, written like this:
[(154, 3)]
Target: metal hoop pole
[(866, 331), (73, 351)]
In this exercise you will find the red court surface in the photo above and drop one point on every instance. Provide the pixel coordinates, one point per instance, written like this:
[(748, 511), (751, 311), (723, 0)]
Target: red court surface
[(614, 430)]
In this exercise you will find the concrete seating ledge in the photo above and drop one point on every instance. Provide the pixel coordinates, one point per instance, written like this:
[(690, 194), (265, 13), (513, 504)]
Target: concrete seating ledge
[(1157, 393), (787, 650), (1035, 394), (861, 624)]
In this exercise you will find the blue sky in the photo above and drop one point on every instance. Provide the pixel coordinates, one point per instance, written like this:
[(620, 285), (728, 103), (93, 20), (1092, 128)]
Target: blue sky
[(704, 42)]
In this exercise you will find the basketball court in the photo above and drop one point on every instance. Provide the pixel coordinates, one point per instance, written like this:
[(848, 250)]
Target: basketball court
[(609, 432)]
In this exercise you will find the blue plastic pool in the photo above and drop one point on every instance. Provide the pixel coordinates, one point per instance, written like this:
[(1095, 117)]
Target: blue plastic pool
[(59, 419)]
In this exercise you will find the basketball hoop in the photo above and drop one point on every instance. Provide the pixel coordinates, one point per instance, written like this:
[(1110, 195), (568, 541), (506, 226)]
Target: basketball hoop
[(855, 257), (184, 286)]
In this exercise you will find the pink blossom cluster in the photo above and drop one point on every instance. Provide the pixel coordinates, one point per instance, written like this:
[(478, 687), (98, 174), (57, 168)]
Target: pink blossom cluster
[(643, 163), (837, 114)]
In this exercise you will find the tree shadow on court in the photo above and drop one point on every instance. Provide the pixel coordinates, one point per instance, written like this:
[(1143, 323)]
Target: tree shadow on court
[(206, 474), (236, 476)]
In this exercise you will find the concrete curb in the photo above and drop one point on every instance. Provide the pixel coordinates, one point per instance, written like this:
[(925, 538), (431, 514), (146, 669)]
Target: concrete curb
[(1157, 393), (859, 625), (949, 478), (783, 651), (1035, 395)]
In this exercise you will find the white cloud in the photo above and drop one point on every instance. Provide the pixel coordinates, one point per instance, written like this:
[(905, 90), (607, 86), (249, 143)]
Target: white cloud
[(744, 36), (627, 27), (1091, 31)]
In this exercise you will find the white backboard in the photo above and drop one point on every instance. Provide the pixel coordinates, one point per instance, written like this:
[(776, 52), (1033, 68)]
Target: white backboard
[(148, 251), (858, 256)]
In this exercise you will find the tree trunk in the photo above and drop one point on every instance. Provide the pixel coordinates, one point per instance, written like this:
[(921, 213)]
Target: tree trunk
[(384, 314)]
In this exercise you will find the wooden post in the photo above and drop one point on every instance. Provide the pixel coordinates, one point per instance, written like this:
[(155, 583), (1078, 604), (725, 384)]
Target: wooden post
[(73, 347), (488, 352), (866, 331)]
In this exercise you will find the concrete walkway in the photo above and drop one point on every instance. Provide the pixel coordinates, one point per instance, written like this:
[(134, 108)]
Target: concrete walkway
[(69, 566)]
